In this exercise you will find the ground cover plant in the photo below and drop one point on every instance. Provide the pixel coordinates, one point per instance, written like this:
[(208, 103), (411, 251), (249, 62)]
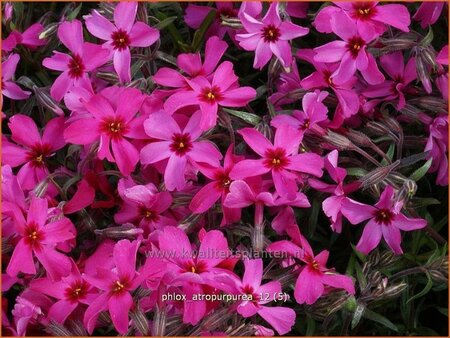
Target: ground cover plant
[(224, 168)]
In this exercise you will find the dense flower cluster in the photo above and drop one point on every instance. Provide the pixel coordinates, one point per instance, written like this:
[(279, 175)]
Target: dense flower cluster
[(139, 165)]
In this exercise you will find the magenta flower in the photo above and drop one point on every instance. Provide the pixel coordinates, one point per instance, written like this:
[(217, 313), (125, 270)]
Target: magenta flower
[(322, 78), (29, 38), (144, 205), (442, 79), (71, 291), (437, 145), (242, 195), (385, 220), (401, 76), (38, 236), (314, 113), (190, 271), (351, 52), (195, 15), (268, 37), (223, 90), (85, 58), (205, 198), (314, 276), (280, 318), (33, 150), (112, 125), (429, 12), (370, 17), (332, 205), (280, 159), (116, 285), (122, 35), (180, 147), (192, 65), (9, 88)]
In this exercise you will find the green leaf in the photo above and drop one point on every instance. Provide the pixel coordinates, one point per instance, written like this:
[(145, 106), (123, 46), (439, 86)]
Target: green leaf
[(419, 173), (165, 22), (201, 31), (390, 154), (358, 172), (376, 317), (243, 115), (425, 290), (74, 13), (358, 253), (310, 326), (362, 281), (357, 315), (428, 38), (173, 32), (419, 202)]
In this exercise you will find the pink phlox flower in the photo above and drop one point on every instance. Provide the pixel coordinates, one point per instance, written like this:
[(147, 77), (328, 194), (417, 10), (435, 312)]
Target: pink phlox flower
[(285, 216), (287, 83), (193, 271), (180, 147), (322, 78), (280, 318), (82, 198), (205, 198), (121, 35), (116, 285), (85, 57), (429, 12), (113, 125), (281, 159), (370, 17), (243, 194), (297, 9), (29, 38), (195, 15), (314, 276), (314, 114), (269, 36), (38, 236), (30, 309), (437, 145), (144, 206), (32, 149), (332, 205), (222, 90), (191, 64), (401, 77), (442, 78), (71, 291), (385, 220), (13, 201), (351, 52), (9, 87)]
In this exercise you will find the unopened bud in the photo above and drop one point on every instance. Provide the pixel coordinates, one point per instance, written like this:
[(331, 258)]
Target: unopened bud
[(140, 321), (159, 321), (339, 141), (407, 191), (58, 330), (45, 100), (124, 231), (395, 290), (387, 258), (231, 22), (438, 276), (359, 138), (41, 188), (49, 31), (108, 76)]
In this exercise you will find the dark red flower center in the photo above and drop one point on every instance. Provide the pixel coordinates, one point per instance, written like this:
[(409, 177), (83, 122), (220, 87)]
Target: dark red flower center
[(119, 286), (270, 33), (227, 12), (276, 159), (115, 127), (305, 125), (149, 215), (76, 67), (354, 45), (248, 290), (120, 39), (77, 290), (383, 216), (211, 95), (223, 181), (363, 10), (38, 154), (195, 267), (181, 144), (33, 236)]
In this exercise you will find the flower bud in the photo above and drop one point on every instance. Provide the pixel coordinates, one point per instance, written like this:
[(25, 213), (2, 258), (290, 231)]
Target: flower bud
[(140, 321), (49, 31), (120, 232), (46, 101), (57, 330), (339, 141), (159, 321)]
